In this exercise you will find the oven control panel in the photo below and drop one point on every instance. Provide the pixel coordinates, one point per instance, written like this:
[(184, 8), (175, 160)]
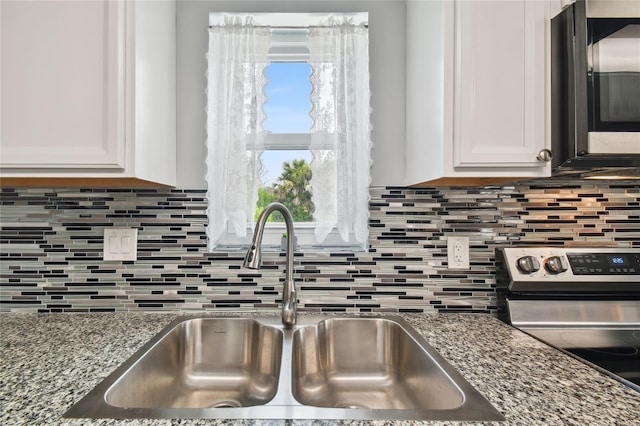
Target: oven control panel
[(571, 269), (604, 263)]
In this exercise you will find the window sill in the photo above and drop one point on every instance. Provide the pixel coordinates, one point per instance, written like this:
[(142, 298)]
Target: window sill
[(270, 248)]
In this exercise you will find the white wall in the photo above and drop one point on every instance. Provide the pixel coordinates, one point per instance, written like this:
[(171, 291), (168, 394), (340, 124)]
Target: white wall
[(387, 66)]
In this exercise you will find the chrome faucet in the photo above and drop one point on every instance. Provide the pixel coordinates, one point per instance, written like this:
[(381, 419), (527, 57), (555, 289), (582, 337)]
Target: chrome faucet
[(253, 260)]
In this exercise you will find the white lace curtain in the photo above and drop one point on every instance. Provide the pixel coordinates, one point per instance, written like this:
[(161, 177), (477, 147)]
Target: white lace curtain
[(237, 58), (340, 135), (341, 130)]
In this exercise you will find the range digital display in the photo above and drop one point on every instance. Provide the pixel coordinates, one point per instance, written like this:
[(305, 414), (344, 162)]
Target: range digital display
[(604, 264), (617, 260)]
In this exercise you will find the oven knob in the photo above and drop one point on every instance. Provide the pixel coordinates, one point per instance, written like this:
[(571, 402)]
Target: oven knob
[(528, 264), (555, 265)]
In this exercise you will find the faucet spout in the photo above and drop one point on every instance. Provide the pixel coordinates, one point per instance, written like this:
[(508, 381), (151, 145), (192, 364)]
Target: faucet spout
[(254, 257)]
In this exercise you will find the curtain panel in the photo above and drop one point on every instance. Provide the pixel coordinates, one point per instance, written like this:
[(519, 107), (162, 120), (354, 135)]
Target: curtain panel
[(341, 130), (237, 58)]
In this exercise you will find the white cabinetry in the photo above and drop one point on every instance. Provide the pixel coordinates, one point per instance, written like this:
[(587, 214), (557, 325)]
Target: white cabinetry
[(477, 90), (88, 91)]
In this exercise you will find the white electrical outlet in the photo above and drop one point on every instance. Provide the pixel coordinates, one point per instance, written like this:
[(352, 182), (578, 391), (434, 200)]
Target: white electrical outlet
[(458, 252), (120, 244)]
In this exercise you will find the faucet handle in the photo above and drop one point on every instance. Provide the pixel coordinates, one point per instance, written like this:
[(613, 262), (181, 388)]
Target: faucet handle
[(290, 308)]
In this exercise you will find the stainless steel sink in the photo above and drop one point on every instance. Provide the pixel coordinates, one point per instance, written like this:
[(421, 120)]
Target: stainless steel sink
[(368, 368), (204, 363), (368, 363)]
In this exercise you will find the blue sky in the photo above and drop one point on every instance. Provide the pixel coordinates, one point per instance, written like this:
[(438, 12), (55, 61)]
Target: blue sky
[(288, 102), (287, 110)]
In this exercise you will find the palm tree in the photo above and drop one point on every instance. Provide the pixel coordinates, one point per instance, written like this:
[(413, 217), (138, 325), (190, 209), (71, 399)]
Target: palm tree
[(292, 189)]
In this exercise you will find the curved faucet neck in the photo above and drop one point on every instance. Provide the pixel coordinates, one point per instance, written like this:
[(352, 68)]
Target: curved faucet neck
[(253, 259)]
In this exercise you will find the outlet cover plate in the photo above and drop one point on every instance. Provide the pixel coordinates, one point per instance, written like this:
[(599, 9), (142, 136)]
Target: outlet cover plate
[(120, 244), (458, 252)]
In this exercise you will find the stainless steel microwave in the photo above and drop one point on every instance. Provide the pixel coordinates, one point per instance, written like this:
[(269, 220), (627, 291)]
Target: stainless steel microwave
[(595, 86)]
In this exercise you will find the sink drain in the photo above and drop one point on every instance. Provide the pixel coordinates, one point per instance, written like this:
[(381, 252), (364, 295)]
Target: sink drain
[(350, 405), (226, 404)]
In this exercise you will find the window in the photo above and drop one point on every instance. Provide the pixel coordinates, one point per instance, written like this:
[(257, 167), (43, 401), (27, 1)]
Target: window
[(286, 157), (293, 137)]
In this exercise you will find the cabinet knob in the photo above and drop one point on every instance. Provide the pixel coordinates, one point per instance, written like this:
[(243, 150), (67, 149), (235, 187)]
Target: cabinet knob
[(544, 155)]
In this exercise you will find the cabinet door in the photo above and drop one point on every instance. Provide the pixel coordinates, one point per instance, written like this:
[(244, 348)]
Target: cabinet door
[(62, 84), (499, 100)]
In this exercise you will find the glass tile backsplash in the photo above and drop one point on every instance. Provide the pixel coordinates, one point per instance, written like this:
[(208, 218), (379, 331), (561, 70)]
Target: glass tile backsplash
[(51, 249)]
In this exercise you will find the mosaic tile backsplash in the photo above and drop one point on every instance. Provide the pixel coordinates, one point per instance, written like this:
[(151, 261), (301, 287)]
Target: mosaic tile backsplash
[(51, 249)]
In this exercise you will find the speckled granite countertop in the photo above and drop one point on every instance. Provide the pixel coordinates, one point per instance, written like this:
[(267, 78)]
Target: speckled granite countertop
[(48, 362)]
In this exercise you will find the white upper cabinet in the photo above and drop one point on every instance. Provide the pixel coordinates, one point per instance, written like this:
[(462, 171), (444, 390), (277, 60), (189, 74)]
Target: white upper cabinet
[(62, 80), (477, 90), (88, 90)]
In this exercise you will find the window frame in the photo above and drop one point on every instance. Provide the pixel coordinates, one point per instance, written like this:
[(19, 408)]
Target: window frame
[(289, 44)]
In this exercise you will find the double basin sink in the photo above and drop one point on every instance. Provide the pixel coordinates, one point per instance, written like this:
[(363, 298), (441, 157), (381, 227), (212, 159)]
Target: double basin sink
[(368, 368)]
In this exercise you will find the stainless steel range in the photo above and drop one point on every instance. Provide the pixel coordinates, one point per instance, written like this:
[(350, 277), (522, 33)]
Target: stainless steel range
[(585, 301)]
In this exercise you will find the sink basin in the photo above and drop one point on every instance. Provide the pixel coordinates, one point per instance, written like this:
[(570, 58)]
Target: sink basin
[(368, 363), (204, 363), (368, 368)]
